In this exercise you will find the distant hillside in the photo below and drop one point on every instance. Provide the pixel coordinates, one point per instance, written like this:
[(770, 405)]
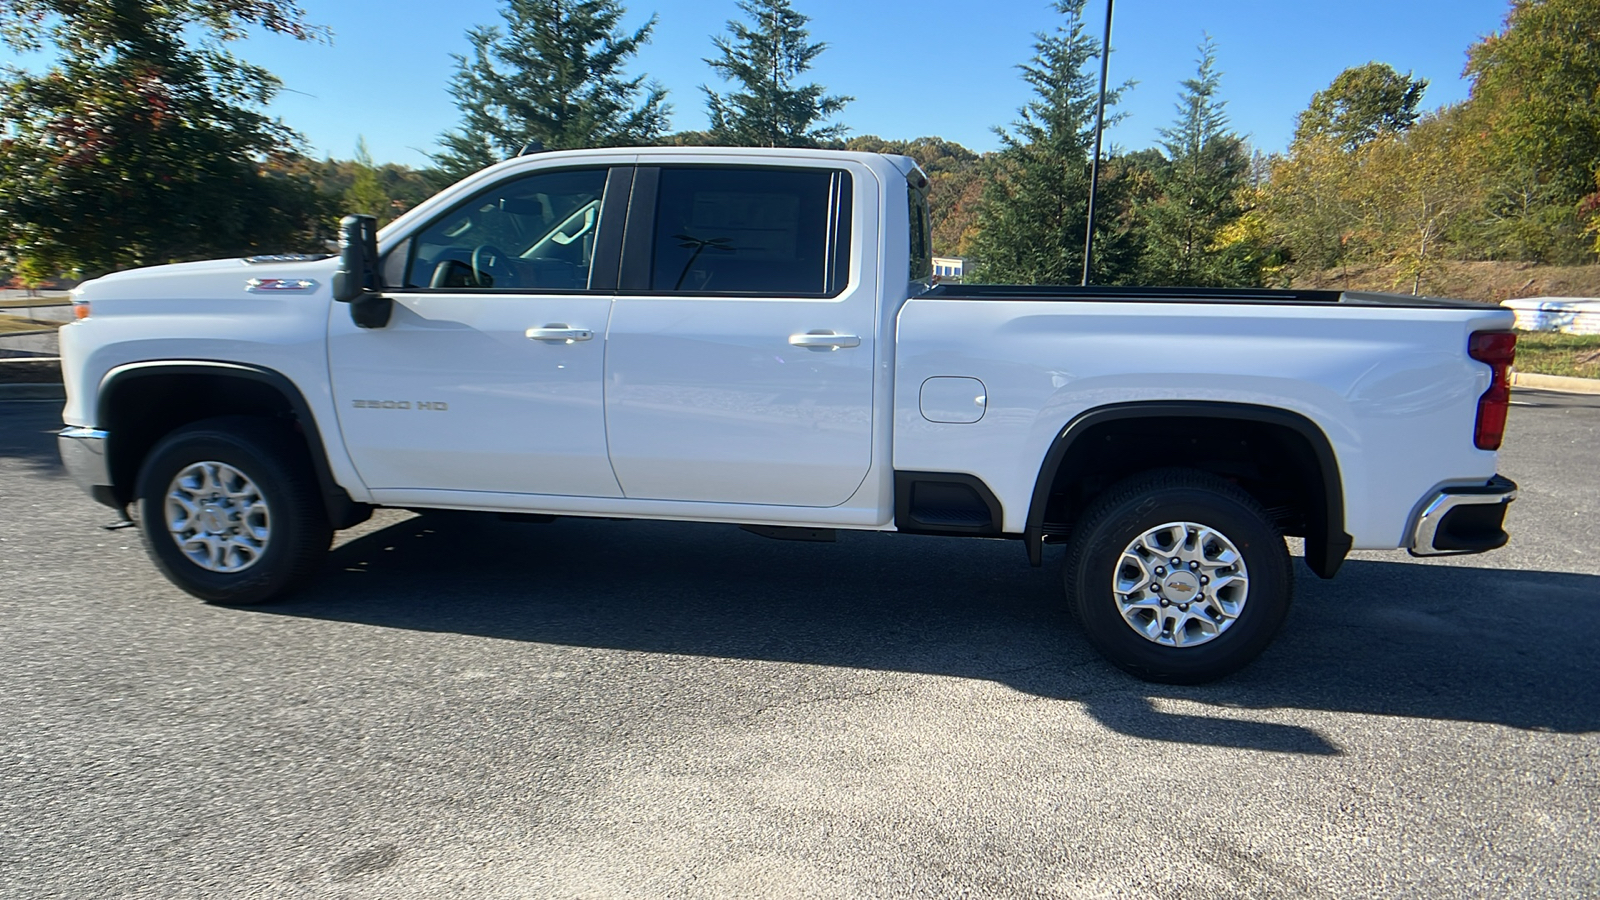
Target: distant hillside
[(1491, 282)]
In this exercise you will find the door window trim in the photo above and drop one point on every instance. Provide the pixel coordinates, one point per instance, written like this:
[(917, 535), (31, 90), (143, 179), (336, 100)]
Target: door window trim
[(638, 243), (603, 267)]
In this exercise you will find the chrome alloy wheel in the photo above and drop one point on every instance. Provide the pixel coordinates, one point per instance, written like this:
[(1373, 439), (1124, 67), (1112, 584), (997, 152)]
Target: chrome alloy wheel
[(1181, 584), (217, 517)]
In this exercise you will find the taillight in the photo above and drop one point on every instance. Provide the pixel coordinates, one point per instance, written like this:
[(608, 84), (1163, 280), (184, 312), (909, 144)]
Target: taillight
[(1498, 349)]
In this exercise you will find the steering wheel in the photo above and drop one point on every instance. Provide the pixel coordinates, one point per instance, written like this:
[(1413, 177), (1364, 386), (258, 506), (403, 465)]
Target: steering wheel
[(492, 266)]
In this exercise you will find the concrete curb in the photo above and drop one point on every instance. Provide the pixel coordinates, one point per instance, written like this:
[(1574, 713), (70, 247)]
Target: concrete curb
[(33, 392), (1561, 383)]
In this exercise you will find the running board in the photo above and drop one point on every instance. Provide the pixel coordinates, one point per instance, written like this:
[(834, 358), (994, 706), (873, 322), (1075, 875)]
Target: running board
[(792, 533)]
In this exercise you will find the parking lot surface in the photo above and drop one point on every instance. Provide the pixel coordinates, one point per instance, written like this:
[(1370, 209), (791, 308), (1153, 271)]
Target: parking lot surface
[(638, 709)]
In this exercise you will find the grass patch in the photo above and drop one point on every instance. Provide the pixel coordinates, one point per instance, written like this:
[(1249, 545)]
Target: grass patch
[(1552, 353), (16, 324)]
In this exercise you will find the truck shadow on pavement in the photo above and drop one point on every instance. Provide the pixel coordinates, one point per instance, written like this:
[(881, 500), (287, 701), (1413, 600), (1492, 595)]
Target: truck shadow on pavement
[(28, 433), (1400, 638)]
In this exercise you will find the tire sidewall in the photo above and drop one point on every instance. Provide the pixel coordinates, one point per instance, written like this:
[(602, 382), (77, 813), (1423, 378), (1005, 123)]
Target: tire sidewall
[(1265, 560), (274, 571)]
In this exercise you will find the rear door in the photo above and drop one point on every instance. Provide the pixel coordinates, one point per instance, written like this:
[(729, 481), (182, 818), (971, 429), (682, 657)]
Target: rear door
[(739, 363)]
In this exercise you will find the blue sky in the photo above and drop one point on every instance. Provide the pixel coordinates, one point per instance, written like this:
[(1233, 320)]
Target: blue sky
[(915, 68)]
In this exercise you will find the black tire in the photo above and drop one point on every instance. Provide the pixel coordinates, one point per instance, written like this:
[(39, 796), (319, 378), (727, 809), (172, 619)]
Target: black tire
[(1136, 506), (275, 460)]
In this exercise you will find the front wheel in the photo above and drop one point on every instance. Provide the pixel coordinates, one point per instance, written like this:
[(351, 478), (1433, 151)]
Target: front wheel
[(1178, 576), (229, 511)]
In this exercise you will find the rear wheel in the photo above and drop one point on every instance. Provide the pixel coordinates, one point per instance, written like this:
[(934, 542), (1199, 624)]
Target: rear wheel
[(229, 510), (1178, 576)]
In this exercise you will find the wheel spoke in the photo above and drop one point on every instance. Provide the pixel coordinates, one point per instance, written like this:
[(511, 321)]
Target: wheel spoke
[(178, 520), (214, 555), (1133, 574), (1183, 636)]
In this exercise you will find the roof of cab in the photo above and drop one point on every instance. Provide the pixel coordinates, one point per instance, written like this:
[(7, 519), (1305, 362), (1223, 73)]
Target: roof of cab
[(882, 163)]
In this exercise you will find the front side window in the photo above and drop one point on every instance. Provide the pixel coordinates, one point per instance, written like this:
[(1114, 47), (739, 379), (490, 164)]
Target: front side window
[(531, 233), (750, 231)]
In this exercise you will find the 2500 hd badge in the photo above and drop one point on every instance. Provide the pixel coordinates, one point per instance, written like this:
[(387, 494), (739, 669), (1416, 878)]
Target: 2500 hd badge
[(434, 405)]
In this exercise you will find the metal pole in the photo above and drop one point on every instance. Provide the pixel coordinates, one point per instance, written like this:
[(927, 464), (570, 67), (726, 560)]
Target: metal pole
[(1094, 162)]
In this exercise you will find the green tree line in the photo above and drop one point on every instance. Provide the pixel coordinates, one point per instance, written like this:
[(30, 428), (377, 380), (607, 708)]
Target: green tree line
[(147, 143)]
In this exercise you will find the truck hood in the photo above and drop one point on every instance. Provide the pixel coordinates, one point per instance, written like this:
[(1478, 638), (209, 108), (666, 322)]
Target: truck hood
[(213, 279)]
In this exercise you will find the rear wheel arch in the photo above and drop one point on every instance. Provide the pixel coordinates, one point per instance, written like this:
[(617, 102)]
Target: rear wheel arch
[(1303, 481), (139, 404)]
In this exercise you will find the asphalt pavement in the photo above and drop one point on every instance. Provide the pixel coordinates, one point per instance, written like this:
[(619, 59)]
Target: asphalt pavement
[(465, 708)]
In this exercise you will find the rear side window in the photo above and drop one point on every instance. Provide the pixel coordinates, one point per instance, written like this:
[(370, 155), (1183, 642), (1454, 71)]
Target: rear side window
[(921, 246), (751, 231)]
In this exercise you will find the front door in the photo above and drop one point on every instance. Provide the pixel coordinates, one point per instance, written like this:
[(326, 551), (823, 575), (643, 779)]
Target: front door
[(740, 354), (488, 376)]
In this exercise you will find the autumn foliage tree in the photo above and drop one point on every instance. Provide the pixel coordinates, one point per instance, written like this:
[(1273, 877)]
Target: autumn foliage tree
[(145, 143), (1536, 101), (1507, 174), (955, 184), (1361, 104), (1416, 191)]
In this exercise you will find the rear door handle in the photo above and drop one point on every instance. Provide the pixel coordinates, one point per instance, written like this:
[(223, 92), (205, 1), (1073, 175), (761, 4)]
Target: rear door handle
[(559, 334), (823, 340)]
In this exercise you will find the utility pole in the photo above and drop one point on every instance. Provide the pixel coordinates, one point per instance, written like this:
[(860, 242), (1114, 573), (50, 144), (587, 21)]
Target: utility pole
[(1094, 162)]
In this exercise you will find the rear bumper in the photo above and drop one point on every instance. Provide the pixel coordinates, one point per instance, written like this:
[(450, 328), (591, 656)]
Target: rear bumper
[(1464, 519), (83, 453)]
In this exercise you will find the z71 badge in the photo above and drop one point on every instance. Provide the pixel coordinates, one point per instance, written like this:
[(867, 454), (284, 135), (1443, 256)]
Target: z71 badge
[(431, 405)]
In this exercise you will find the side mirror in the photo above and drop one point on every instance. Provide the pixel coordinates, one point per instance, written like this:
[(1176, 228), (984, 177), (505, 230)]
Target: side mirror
[(356, 280)]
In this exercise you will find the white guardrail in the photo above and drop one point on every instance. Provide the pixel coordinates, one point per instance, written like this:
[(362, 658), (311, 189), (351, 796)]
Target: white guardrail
[(1572, 315)]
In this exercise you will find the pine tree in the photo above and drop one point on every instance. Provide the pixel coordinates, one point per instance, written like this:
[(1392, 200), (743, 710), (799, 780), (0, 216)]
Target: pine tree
[(554, 75), (764, 58), (365, 194), (1198, 190), (1035, 204)]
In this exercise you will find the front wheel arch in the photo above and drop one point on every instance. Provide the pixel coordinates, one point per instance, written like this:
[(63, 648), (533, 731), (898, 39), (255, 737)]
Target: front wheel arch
[(141, 403)]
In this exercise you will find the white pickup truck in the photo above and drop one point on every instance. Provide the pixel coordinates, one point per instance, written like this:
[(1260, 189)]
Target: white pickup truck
[(750, 336)]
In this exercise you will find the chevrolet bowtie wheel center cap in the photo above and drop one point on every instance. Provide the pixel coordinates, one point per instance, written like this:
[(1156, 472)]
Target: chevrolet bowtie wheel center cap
[(1181, 586)]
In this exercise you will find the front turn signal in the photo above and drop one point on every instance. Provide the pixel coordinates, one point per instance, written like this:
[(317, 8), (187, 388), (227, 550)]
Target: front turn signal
[(80, 309)]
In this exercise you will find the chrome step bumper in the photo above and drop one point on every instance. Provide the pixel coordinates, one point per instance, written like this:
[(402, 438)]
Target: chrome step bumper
[(1466, 519), (83, 453)]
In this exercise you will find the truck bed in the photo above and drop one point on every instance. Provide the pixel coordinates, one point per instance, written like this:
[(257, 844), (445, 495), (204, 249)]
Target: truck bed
[(1237, 296)]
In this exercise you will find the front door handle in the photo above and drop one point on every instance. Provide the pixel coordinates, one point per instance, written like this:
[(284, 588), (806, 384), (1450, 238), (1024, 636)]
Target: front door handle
[(559, 334), (823, 340)]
